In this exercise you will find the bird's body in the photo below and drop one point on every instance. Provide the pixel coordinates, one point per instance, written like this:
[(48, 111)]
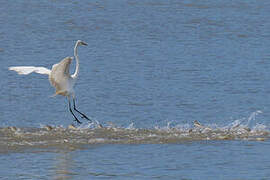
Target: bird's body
[(59, 77)]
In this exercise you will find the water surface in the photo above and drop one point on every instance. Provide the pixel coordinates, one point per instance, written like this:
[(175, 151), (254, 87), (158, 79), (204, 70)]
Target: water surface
[(150, 70)]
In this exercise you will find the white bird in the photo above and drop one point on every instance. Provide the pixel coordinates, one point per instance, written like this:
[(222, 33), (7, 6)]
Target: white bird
[(59, 77)]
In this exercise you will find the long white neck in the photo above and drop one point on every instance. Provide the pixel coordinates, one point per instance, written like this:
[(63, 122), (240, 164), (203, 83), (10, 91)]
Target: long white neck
[(75, 75)]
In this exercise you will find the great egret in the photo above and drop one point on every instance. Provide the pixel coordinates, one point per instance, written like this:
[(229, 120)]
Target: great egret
[(59, 77)]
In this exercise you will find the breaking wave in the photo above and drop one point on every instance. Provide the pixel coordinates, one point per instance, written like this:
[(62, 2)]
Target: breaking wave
[(13, 138)]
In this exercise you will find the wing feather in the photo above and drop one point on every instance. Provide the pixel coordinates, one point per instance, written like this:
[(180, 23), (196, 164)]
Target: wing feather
[(59, 76), (29, 69)]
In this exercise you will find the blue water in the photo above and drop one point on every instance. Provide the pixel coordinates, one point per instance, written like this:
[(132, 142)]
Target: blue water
[(150, 65)]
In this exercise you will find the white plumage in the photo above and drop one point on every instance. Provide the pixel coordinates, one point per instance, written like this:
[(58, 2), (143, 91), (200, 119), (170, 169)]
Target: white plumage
[(59, 77), (29, 69)]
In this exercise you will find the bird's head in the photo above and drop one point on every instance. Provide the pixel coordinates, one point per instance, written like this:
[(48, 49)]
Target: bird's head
[(81, 43)]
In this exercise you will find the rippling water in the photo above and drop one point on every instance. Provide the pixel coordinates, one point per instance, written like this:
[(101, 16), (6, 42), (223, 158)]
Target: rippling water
[(177, 89), (13, 138)]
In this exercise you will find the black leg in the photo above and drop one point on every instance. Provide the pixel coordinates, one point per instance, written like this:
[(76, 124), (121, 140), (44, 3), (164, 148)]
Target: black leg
[(83, 115), (76, 119)]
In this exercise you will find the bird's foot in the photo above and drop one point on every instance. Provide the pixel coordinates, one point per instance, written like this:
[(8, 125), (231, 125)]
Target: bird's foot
[(77, 120), (84, 116)]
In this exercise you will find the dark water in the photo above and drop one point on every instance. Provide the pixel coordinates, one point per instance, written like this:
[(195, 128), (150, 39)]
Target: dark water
[(151, 68)]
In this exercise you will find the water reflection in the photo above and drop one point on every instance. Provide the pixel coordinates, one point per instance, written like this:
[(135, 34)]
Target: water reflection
[(64, 166)]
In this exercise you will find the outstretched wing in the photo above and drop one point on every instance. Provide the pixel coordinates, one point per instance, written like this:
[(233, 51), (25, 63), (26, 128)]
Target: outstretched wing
[(59, 76), (29, 69)]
